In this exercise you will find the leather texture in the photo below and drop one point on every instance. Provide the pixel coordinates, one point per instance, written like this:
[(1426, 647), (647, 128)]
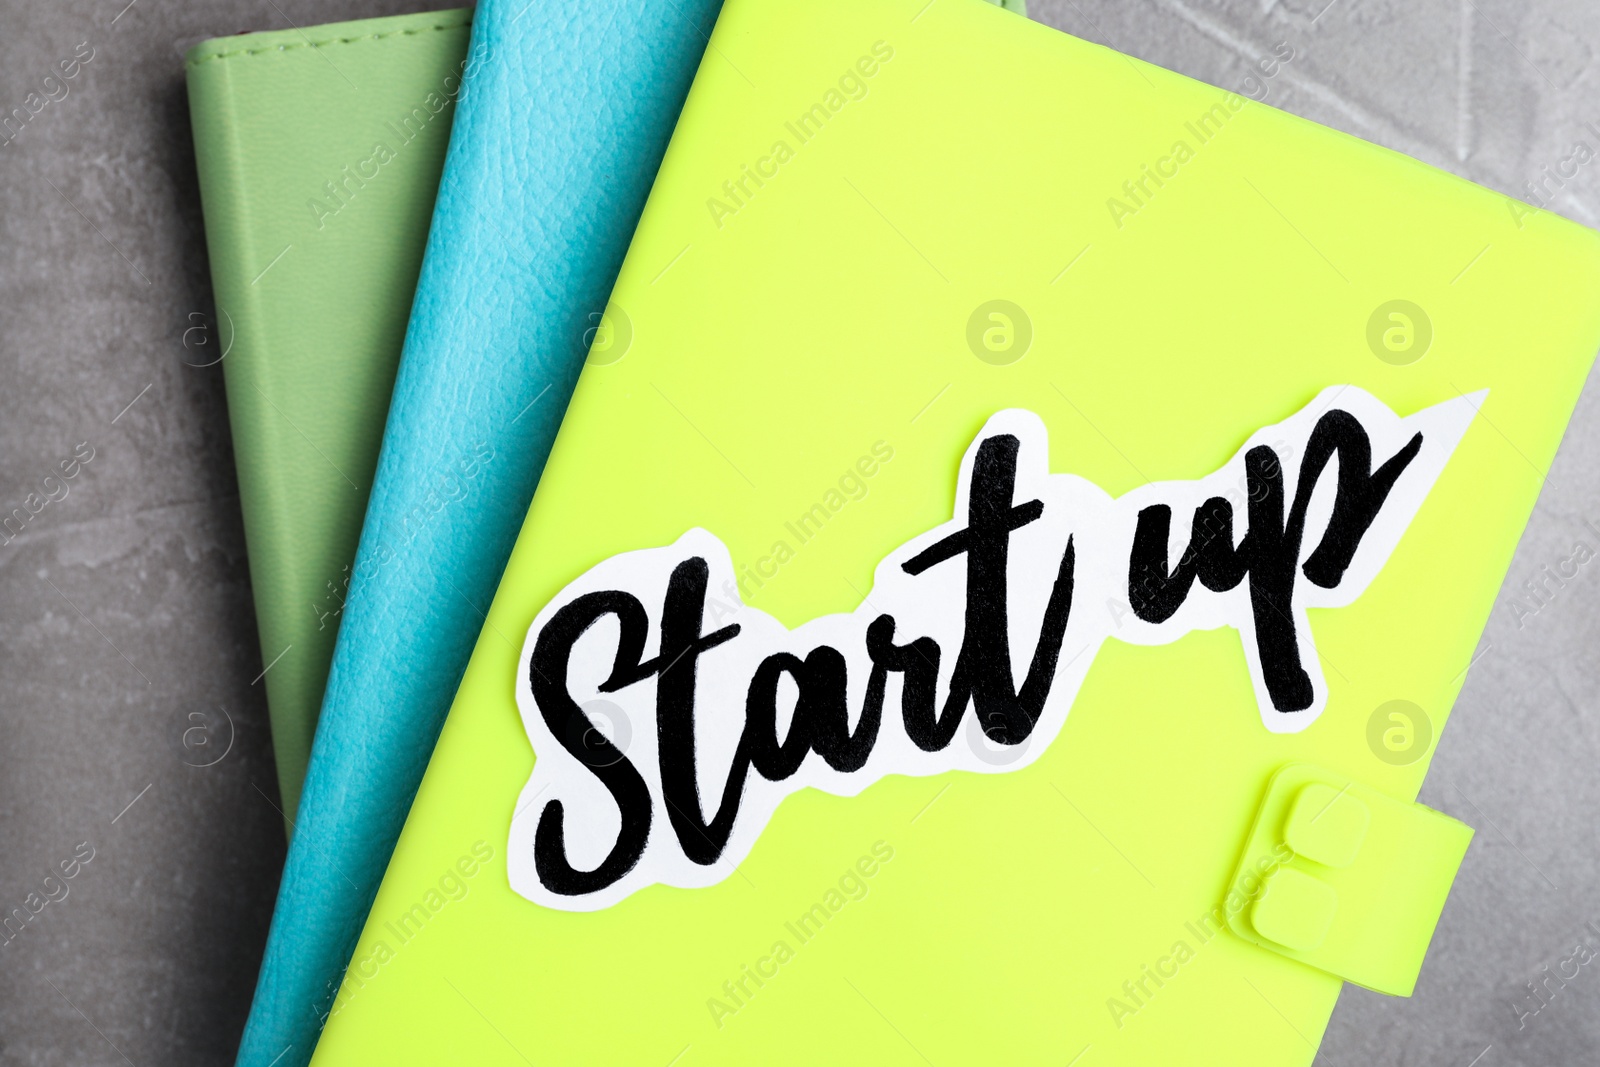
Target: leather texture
[(315, 240), (565, 114)]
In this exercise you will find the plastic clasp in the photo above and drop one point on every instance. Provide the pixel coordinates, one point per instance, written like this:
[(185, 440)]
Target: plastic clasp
[(1347, 879)]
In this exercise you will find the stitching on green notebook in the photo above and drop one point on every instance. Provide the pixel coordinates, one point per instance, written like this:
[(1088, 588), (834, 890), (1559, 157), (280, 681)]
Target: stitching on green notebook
[(323, 44)]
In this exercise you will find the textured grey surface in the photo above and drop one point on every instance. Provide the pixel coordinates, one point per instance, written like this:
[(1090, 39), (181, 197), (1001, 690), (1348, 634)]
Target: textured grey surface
[(128, 651)]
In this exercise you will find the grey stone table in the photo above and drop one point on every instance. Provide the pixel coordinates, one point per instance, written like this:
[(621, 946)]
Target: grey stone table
[(133, 738)]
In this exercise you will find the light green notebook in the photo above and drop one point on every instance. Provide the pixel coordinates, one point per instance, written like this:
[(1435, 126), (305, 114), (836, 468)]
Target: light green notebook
[(319, 153)]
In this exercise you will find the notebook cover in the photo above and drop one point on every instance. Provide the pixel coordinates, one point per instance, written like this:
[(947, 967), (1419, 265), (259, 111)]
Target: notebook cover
[(815, 365), (558, 133), (319, 153)]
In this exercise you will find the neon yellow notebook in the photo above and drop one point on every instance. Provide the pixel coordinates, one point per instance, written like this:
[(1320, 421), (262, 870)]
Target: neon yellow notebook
[(998, 585)]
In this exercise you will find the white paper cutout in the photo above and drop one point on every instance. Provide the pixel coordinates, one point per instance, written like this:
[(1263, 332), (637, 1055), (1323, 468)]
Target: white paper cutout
[(568, 791)]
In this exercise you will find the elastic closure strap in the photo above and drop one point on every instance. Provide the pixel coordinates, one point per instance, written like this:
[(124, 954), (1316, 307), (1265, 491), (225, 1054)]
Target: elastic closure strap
[(1352, 881)]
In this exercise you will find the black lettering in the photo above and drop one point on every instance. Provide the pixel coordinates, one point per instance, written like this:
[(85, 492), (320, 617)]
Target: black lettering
[(682, 643), (821, 721), (919, 662), (547, 673), (1270, 549), (983, 665)]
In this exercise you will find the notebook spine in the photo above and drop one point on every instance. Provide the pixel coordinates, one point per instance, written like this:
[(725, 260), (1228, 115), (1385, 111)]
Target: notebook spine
[(237, 343)]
